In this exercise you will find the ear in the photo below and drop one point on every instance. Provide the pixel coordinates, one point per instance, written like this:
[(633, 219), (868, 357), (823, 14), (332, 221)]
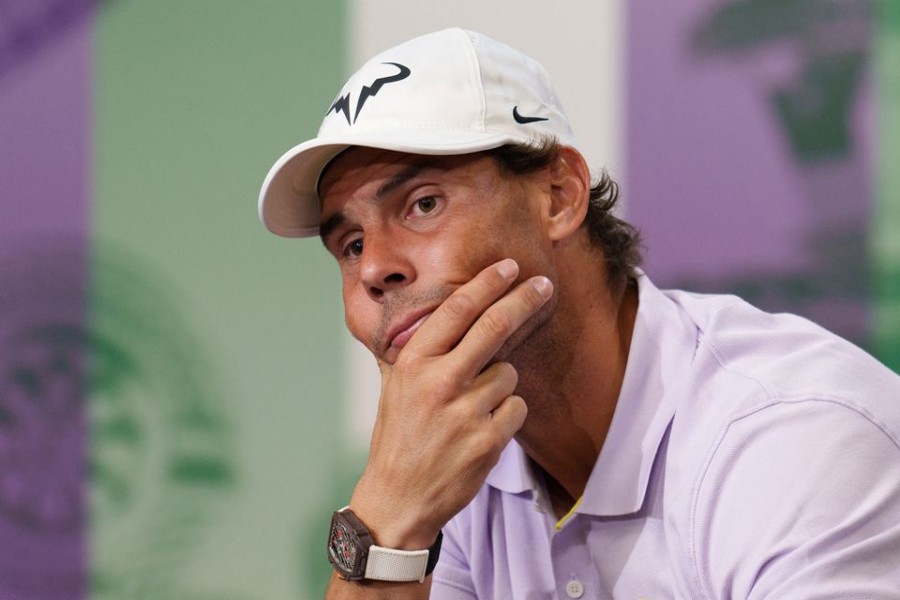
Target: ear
[(570, 187)]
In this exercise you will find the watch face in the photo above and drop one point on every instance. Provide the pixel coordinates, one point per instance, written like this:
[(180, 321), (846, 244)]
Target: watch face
[(342, 548)]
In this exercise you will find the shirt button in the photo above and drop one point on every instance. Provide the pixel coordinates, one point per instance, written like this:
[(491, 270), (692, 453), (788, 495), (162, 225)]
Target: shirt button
[(574, 589)]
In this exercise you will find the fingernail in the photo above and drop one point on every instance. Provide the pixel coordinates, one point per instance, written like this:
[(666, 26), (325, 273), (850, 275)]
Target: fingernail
[(508, 268), (543, 286)]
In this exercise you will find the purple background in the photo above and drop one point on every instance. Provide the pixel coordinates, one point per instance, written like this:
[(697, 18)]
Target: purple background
[(724, 202), (45, 167)]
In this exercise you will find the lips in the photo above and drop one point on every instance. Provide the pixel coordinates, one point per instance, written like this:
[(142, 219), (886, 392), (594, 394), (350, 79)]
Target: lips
[(406, 329)]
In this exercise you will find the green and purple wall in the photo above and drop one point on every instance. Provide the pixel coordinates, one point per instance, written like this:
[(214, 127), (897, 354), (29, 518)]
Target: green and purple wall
[(180, 408)]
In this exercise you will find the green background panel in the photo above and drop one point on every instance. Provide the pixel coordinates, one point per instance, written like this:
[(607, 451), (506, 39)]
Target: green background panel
[(885, 233), (230, 360)]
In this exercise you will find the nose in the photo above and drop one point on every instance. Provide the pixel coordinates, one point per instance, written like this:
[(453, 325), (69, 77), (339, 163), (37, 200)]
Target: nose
[(384, 266)]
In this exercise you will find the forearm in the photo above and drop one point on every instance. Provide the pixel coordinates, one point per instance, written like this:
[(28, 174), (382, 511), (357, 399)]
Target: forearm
[(445, 414), (339, 589)]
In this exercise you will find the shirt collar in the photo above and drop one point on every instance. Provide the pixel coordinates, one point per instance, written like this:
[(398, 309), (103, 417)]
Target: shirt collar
[(662, 349), (512, 473)]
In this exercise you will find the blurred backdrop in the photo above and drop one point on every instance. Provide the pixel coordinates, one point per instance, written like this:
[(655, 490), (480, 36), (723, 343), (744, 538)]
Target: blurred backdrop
[(180, 408)]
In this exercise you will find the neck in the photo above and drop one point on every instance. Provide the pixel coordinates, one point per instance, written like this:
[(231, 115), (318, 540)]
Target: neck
[(572, 396)]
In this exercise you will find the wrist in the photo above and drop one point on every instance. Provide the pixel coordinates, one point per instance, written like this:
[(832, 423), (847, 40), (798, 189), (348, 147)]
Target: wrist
[(355, 556), (395, 525)]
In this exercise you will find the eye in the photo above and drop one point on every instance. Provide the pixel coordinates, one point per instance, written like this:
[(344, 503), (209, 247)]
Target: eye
[(353, 248), (423, 206)]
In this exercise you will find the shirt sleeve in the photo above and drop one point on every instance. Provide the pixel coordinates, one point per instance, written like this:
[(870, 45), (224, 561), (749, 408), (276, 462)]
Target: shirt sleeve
[(800, 499), (452, 577)]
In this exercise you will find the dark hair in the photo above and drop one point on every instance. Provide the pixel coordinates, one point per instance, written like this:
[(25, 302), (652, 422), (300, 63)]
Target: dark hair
[(618, 240)]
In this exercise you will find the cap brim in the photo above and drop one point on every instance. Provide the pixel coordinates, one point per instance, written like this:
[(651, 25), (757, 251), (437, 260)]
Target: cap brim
[(288, 200)]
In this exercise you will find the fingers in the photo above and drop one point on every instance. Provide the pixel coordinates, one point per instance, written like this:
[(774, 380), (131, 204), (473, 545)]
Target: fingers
[(491, 387), (443, 329), (500, 321), (474, 324), (509, 416), (493, 394), (492, 397)]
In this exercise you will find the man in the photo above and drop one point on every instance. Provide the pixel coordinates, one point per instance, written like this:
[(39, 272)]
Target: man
[(552, 425)]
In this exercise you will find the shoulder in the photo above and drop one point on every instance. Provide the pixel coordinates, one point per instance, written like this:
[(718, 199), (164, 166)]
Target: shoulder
[(755, 374), (799, 495), (785, 353), (748, 360), (786, 450)]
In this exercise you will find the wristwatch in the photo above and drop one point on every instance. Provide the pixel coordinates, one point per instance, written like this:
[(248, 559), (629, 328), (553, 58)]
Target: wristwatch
[(354, 555)]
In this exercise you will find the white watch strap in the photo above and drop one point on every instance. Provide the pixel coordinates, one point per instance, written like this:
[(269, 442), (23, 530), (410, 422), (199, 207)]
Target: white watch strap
[(387, 564)]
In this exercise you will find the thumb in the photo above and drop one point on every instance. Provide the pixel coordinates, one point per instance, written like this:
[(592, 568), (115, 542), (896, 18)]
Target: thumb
[(386, 370)]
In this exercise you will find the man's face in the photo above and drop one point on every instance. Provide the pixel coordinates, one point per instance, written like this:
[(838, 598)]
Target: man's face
[(407, 230)]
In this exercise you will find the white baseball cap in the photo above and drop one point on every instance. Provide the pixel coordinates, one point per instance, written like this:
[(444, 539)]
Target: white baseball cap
[(448, 92)]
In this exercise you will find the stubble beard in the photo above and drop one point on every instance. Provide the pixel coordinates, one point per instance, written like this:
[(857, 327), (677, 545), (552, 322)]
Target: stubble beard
[(527, 347), (541, 356), (401, 305)]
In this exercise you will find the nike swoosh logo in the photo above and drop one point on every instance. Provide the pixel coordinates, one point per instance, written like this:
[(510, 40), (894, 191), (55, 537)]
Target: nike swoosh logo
[(524, 120)]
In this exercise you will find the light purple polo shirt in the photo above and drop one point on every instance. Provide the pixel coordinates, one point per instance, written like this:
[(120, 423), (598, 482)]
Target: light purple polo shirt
[(750, 456)]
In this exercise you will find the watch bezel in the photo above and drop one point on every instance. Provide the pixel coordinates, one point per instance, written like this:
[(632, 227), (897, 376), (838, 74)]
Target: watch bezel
[(343, 522)]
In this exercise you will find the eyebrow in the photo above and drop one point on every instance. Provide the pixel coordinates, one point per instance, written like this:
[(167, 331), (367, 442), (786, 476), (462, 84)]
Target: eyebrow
[(402, 177), (328, 227), (410, 172)]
